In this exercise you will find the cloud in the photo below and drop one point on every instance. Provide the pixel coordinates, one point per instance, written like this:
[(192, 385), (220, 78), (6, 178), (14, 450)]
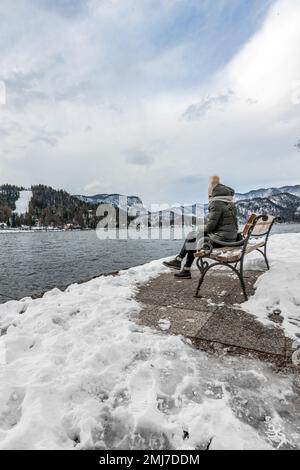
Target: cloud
[(46, 136), (189, 179), (46, 140), (64, 7), (79, 94), (198, 110), (138, 157), (96, 186), (8, 127)]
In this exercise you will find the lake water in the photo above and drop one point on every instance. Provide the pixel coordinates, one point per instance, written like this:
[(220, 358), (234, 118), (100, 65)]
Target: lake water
[(32, 263)]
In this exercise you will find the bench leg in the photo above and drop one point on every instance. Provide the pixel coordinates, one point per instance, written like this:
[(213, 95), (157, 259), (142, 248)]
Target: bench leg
[(200, 283), (241, 277), (203, 268), (264, 253), (243, 286), (265, 256)]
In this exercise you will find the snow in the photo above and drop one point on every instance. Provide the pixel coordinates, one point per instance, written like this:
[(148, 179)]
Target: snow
[(278, 289), (164, 324), (268, 192), (77, 372), (22, 204)]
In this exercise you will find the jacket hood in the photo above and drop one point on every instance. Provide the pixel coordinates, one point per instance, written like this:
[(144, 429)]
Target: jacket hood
[(222, 190)]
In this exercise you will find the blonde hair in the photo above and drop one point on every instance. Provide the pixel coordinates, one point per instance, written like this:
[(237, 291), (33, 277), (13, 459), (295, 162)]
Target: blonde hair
[(212, 182)]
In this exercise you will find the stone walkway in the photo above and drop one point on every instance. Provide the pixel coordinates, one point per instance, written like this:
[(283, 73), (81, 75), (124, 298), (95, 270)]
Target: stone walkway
[(215, 322)]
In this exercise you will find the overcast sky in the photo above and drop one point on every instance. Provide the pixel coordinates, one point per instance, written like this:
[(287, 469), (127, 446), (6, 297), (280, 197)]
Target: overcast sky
[(149, 97)]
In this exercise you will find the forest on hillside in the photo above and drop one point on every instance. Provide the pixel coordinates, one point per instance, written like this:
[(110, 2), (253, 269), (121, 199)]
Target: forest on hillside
[(47, 207)]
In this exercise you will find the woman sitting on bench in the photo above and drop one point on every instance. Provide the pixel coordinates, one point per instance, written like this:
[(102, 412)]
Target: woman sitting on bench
[(222, 225)]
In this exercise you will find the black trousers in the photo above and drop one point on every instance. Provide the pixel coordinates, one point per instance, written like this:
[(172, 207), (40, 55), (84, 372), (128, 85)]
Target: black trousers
[(189, 249)]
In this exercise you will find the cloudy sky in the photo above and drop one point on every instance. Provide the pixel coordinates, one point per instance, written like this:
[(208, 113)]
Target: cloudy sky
[(149, 97)]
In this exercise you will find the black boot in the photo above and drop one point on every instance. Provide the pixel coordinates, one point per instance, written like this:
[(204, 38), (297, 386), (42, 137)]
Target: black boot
[(184, 274), (174, 264)]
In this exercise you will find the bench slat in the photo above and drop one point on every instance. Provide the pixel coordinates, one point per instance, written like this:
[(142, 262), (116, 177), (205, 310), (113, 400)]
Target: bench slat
[(228, 253)]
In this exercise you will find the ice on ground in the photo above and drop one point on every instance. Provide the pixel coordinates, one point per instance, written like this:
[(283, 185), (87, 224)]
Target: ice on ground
[(22, 204), (164, 324), (77, 372), (278, 289)]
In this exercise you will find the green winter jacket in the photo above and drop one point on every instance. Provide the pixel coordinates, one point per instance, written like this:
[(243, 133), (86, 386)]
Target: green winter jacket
[(222, 221)]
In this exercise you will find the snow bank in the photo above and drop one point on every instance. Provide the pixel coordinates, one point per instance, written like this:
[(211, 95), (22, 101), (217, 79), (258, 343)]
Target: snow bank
[(76, 372), (279, 288), (22, 204)]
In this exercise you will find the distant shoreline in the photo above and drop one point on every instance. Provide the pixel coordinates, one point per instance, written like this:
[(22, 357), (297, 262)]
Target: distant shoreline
[(35, 230), (55, 230)]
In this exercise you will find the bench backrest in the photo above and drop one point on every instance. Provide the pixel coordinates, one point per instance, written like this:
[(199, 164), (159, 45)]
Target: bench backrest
[(263, 226), (258, 225), (248, 225)]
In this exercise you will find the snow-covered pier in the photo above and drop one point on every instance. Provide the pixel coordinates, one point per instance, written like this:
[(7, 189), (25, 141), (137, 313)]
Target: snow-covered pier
[(267, 326), (216, 322)]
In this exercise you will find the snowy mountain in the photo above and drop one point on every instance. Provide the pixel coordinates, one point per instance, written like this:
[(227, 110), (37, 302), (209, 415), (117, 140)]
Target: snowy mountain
[(113, 199), (176, 216), (268, 192), (283, 205), (48, 206), (283, 202), (131, 203), (43, 206)]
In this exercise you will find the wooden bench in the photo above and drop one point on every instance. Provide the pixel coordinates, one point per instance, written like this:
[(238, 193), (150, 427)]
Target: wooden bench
[(231, 254)]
